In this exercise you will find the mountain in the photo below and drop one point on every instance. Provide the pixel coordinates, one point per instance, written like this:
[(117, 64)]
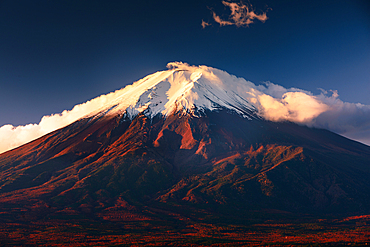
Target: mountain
[(186, 142)]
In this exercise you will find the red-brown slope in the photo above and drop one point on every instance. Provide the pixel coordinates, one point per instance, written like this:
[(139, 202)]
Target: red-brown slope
[(219, 161)]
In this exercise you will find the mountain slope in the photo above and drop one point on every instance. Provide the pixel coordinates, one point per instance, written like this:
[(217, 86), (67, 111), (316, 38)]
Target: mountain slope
[(217, 161), (187, 139)]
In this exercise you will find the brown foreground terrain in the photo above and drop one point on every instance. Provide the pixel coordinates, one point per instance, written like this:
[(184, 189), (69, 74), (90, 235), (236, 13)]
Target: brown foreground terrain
[(354, 231)]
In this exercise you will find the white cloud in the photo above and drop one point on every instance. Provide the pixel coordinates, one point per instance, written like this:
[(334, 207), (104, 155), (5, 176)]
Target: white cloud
[(349, 119), (277, 103), (14, 136), (241, 15)]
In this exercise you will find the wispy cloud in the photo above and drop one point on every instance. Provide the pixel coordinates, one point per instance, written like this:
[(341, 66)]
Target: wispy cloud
[(241, 15), (205, 24)]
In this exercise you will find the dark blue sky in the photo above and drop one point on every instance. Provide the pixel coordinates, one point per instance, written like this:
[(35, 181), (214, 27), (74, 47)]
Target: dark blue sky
[(56, 54)]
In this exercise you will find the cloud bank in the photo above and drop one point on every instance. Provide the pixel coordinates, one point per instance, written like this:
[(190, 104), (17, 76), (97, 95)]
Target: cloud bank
[(326, 111), (241, 15), (14, 136)]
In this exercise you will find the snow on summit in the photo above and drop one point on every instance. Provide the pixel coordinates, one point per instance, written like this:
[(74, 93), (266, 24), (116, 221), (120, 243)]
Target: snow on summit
[(190, 89), (182, 88)]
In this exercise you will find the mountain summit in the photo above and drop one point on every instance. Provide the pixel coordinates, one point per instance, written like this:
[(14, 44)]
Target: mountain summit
[(184, 88)]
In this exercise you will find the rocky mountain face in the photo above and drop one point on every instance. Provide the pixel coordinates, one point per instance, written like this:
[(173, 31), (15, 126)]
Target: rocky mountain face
[(215, 162), (188, 140)]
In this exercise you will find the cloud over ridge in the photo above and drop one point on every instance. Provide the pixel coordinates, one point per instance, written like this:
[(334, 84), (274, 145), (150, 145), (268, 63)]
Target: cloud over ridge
[(14, 136), (325, 111)]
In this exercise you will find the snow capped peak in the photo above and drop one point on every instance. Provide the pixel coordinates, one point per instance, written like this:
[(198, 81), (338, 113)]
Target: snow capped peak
[(186, 89), (182, 88)]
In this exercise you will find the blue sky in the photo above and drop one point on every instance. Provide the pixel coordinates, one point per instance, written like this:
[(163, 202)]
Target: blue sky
[(56, 54)]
